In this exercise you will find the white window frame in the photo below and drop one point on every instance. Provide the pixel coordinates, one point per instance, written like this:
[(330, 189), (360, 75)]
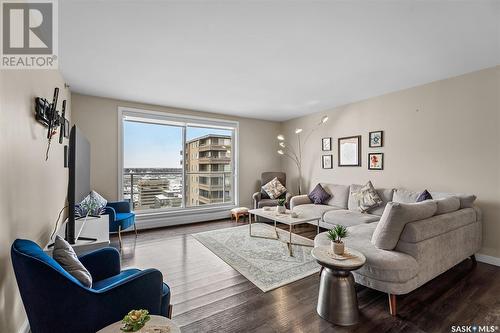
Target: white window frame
[(183, 121)]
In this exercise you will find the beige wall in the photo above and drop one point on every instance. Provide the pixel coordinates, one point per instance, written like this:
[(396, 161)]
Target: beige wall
[(32, 190), (444, 136), (97, 118)]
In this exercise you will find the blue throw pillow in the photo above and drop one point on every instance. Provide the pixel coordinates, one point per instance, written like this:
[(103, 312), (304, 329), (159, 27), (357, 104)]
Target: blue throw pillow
[(425, 195), (319, 196)]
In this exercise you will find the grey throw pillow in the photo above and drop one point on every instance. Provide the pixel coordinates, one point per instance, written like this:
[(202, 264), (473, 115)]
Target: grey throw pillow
[(405, 196), (396, 215), (274, 188), (447, 205), (466, 200), (64, 254), (367, 198)]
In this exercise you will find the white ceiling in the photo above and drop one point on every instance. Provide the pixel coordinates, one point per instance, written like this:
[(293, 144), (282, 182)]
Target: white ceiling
[(271, 60)]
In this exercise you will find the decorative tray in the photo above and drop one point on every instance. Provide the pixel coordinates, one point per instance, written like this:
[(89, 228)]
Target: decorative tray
[(345, 256)]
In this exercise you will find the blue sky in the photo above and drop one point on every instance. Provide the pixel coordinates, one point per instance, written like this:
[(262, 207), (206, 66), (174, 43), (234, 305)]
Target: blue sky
[(157, 146)]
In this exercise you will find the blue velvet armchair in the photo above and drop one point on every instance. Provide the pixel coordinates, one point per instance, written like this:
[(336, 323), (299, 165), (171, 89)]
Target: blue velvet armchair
[(55, 301), (120, 217)]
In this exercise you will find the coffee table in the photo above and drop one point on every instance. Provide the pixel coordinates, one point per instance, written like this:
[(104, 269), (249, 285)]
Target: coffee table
[(337, 299), (285, 218), (151, 324)]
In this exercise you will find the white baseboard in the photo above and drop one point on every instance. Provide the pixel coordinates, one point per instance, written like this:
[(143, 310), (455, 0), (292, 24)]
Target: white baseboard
[(169, 219), (488, 259), (25, 327)]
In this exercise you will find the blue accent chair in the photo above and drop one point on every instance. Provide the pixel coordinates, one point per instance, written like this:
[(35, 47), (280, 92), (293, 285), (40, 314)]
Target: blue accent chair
[(120, 217), (57, 302)]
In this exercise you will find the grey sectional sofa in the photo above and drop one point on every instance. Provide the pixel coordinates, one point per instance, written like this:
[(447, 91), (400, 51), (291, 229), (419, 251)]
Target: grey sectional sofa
[(425, 248)]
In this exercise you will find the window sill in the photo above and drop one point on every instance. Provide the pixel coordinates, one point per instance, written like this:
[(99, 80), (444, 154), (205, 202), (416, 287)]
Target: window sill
[(148, 220)]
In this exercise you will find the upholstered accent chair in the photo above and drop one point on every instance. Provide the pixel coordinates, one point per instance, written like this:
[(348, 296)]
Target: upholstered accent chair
[(55, 301), (120, 217), (261, 199)]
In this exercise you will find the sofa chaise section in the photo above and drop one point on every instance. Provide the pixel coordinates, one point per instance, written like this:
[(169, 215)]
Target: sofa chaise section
[(426, 248)]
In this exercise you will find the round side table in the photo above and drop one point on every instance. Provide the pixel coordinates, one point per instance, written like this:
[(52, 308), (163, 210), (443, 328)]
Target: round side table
[(337, 299), (148, 328)]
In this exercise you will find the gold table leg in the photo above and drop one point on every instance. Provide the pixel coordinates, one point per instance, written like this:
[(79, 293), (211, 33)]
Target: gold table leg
[(256, 236)]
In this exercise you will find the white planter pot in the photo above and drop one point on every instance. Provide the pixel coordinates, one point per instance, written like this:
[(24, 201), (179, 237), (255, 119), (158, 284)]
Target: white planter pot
[(337, 248), (281, 209)]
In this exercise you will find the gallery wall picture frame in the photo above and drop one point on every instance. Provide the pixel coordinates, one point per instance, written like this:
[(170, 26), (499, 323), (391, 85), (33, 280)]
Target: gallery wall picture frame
[(376, 161), (327, 161), (349, 151), (376, 139), (326, 144)]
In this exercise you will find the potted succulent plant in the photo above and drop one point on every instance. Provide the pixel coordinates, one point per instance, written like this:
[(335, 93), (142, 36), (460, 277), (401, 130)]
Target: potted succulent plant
[(281, 206), (336, 235), (135, 320)]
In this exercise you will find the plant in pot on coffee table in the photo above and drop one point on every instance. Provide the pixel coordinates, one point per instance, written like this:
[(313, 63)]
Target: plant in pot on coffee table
[(281, 206), (336, 234)]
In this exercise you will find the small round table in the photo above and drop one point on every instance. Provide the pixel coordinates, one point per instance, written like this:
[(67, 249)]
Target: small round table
[(148, 328), (337, 299)]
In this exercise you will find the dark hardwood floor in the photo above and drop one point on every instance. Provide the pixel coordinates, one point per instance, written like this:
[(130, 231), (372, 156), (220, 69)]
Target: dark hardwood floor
[(210, 296)]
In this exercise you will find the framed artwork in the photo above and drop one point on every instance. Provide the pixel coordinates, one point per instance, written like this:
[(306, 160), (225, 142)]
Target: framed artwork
[(327, 161), (376, 139), (376, 161), (326, 144), (350, 151)]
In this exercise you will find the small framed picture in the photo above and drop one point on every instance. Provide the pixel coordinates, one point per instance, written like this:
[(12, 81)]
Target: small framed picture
[(376, 139), (326, 144), (350, 151), (376, 161), (327, 161)]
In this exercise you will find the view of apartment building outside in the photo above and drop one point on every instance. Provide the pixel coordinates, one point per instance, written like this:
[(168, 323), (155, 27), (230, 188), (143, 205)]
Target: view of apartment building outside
[(208, 170), (176, 163), (148, 188)]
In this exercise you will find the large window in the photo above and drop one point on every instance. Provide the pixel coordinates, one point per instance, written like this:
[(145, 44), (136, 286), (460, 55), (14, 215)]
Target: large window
[(173, 162)]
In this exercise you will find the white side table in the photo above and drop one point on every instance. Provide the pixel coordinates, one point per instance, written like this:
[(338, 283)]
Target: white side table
[(337, 299), (155, 321), (94, 227)]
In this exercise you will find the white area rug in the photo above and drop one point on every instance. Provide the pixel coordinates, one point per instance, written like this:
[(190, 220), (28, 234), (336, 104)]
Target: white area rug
[(265, 262)]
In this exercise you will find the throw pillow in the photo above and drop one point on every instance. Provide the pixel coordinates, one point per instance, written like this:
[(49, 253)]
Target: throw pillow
[(93, 204), (64, 254), (405, 196), (367, 198), (396, 215), (447, 205), (466, 200), (425, 195), (274, 188), (318, 195), (263, 194)]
